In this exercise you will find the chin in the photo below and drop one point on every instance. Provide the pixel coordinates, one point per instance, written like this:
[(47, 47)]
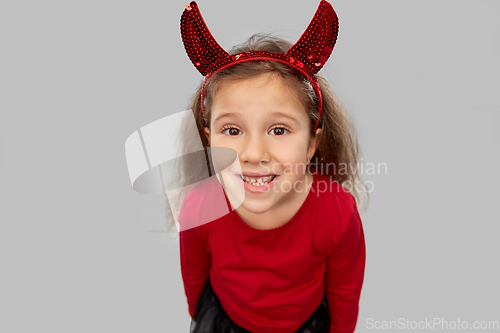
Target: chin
[(256, 207)]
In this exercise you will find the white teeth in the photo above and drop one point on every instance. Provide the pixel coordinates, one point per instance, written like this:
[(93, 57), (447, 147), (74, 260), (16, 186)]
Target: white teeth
[(250, 180), (259, 181)]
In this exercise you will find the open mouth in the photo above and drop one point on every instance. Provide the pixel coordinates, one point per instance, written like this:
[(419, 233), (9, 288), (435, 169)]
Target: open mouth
[(258, 181)]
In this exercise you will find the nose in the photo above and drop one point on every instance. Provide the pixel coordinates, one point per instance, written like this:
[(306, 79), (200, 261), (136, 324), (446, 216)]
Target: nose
[(254, 150)]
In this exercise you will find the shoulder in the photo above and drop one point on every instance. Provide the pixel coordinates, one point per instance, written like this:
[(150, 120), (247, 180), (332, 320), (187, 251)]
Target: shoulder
[(332, 197), (335, 207), (203, 203)]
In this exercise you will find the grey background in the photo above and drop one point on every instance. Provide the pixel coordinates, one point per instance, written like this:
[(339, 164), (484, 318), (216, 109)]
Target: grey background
[(421, 79)]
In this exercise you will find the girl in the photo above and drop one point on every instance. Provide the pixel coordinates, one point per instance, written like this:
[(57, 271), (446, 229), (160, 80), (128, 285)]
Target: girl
[(291, 257)]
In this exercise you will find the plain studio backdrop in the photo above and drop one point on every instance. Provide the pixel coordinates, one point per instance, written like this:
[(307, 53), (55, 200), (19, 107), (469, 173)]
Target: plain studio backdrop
[(81, 251)]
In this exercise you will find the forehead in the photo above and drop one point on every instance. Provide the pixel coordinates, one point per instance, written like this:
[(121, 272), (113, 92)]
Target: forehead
[(258, 96)]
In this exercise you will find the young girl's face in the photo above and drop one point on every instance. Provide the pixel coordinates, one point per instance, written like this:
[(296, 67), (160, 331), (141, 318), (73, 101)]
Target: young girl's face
[(266, 124)]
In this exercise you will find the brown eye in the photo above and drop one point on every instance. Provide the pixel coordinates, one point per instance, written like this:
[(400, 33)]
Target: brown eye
[(232, 131), (279, 130)]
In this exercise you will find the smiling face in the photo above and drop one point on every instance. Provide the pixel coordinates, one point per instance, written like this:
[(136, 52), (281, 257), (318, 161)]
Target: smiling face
[(263, 120)]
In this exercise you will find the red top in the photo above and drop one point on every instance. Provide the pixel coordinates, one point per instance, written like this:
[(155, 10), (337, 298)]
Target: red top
[(271, 281)]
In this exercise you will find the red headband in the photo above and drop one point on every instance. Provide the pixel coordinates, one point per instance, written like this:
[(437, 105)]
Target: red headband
[(308, 55)]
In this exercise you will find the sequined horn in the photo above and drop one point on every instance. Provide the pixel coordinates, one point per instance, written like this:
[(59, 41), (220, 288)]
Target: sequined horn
[(316, 44), (200, 45)]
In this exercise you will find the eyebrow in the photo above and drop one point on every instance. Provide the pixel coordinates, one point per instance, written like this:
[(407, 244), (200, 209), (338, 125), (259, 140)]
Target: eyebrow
[(275, 113), (227, 115)]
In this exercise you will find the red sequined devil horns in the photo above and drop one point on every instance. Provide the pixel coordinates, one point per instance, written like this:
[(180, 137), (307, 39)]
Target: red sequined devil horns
[(308, 55)]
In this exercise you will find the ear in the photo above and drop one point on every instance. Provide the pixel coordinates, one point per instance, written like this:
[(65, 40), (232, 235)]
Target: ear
[(200, 45), (313, 145), (312, 49), (207, 134), (316, 44)]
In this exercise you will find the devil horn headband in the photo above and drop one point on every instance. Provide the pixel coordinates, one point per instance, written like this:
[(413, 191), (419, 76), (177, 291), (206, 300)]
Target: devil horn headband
[(307, 55)]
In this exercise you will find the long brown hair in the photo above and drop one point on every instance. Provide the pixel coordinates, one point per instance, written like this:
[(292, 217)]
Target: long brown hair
[(338, 150)]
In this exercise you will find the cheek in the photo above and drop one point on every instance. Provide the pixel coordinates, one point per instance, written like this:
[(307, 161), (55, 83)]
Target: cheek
[(224, 141), (292, 153), (221, 141), (283, 151)]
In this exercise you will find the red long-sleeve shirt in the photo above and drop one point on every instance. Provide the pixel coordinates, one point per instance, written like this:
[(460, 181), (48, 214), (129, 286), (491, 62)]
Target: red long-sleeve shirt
[(271, 281)]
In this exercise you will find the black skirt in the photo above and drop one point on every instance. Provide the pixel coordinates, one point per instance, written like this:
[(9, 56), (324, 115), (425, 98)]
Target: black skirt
[(210, 317)]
